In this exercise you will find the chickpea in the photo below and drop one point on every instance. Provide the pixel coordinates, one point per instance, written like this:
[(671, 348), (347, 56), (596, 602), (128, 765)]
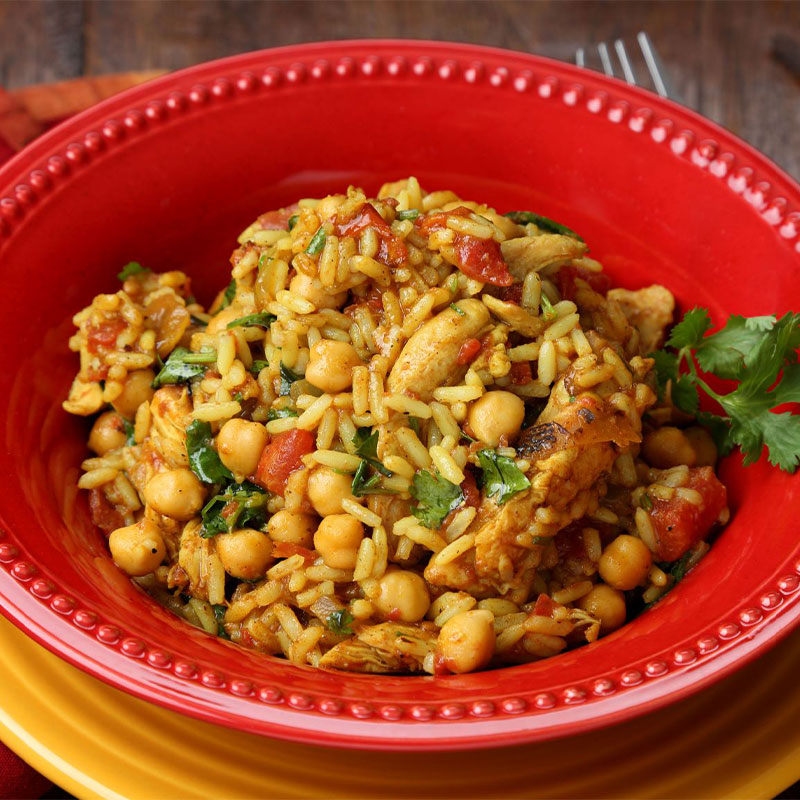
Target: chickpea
[(625, 562), (607, 605), (330, 365), (138, 389), (337, 540), (108, 433), (703, 445), (403, 596), (496, 414), (312, 290), (326, 490), (667, 447), (175, 493), (219, 322), (137, 549), (466, 641), (240, 444), (286, 526), (245, 553)]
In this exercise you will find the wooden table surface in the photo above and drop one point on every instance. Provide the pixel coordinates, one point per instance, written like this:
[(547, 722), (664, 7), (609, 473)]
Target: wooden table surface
[(717, 53)]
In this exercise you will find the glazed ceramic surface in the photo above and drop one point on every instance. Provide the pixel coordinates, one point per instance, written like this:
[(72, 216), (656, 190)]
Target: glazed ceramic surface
[(169, 173)]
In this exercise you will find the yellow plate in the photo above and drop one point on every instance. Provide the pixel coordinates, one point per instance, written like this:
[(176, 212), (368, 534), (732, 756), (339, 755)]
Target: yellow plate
[(740, 738)]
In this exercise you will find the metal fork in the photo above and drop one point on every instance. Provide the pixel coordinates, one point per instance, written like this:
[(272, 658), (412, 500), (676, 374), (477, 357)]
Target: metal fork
[(653, 63)]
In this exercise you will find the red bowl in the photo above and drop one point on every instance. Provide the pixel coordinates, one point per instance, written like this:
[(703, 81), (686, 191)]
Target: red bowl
[(169, 173)]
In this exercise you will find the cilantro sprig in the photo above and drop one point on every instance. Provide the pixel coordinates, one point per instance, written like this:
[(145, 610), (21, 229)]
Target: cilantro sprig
[(366, 479), (760, 355), (501, 478)]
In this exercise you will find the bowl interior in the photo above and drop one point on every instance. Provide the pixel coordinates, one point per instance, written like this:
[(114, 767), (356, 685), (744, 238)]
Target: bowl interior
[(175, 192)]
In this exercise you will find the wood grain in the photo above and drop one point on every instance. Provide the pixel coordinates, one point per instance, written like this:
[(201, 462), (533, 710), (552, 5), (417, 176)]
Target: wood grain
[(718, 53)]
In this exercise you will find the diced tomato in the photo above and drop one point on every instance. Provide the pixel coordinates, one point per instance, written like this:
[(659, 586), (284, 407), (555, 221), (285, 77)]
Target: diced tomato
[(468, 351), (678, 523), (286, 549), (245, 638), (104, 514), (520, 373), (544, 606), (277, 220), (511, 294), (469, 486), (391, 250), (102, 338), (569, 542), (480, 259), (281, 457), (566, 277)]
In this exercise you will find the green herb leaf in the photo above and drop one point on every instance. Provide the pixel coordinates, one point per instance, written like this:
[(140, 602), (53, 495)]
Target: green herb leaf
[(458, 311), (184, 365), (262, 318), (293, 220), (690, 330), (230, 293), (201, 323), (130, 269), (339, 622), (129, 440), (413, 423), (219, 615), (280, 413), (760, 353), (238, 506), (258, 365), (204, 460), (367, 481), (543, 223), (436, 497), (546, 305), (366, 444), (317, 242), (410, 213), (288, 377), (645, 501), (502, 478)]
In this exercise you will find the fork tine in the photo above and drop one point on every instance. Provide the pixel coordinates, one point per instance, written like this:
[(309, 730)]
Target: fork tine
[(654, 66), (580, 57), (627, 68), (605, 59)]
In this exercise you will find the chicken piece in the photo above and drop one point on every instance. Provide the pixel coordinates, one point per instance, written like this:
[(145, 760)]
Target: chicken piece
[(605, 316), (387, 647), (515, 316), (573, 445), (84, 398), (534, 253), (650, 310), (170, 416), (201, 564), (430, 357)]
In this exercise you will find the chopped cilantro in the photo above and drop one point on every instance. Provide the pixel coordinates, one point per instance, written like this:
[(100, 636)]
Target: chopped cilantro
[(204, 460), (131, 268), (645, 501), (258, 365), (219, 615), (262, 318), (547, 306), (436, 497), (280, 413), (237, 506), (129, 440), (543, 223), (501, 478), (317, 242), (183, 365), (293, 221), (339, 622), (458, 311), (230, 293), (288, 377), (410, 213)]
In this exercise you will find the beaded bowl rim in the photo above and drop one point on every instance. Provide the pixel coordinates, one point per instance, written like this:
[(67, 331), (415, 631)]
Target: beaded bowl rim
[(32, 600)]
